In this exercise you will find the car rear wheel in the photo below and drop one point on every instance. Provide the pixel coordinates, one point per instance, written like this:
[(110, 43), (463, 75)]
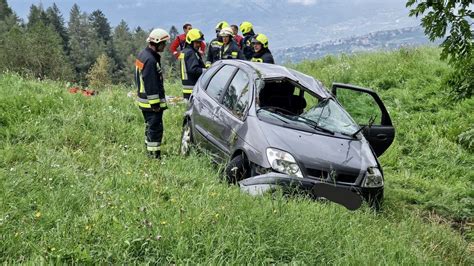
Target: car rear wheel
[(237, 169), (186, 139)]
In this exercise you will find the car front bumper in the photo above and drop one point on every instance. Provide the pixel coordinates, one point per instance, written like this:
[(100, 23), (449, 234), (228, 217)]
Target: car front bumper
[(349, 196)]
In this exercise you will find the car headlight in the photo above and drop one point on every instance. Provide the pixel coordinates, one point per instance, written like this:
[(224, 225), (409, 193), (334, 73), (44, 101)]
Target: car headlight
[(283, 162), (373, 178)]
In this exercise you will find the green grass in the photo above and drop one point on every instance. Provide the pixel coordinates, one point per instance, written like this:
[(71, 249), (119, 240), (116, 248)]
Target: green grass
[(76, 186)]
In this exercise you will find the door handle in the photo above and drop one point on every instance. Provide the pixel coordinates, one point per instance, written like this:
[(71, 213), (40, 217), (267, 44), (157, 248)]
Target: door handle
[(381, 136)]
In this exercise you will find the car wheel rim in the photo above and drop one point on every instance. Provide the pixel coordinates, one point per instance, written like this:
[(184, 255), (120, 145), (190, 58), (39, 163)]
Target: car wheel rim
[(186, 140)]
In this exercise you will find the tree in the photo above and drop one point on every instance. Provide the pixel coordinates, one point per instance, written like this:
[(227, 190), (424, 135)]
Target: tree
[(123, 45), (83, 44), (100, 74), (37, 15), (56, 20), (100, 25), (5, 10), (457, 46)]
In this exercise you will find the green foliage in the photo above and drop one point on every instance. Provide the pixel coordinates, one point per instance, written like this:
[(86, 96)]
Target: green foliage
[(77, 186), (55, 19), (457, 16), (100, 74), (461, 79), (5, 10)]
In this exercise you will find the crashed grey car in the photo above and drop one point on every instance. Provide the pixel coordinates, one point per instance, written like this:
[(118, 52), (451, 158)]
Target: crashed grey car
[(276, 127)]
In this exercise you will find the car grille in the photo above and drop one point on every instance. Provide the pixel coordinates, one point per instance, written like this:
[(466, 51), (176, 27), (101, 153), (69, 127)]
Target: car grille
[(340, 177)]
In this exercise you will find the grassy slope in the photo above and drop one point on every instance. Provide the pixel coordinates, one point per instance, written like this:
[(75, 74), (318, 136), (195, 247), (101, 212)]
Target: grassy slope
[(75, 184)]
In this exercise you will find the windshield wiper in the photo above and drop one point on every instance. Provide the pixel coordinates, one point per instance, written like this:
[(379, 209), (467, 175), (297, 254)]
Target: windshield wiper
[(315, 125), (371, 121)]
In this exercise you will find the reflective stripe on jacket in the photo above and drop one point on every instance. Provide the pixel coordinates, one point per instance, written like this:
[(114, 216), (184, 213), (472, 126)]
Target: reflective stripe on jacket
[(191, 67), (149, 80), (231, 51), (213, 51), (264, 56)]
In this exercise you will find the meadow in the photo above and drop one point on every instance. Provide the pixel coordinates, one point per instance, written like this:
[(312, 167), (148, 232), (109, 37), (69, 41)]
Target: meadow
[(76, 185)]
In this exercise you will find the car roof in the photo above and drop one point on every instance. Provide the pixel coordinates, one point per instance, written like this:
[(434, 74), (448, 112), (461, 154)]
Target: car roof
[(271, 71)]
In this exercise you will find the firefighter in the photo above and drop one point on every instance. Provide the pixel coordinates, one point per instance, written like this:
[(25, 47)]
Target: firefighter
[(180, 41), (229, 49), (237, 38), (191, 61), (247, 30), (215, 44), (262, 54), (151, 92)]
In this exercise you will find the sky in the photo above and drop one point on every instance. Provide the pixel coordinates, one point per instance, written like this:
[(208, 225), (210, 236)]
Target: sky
[(286, 22)]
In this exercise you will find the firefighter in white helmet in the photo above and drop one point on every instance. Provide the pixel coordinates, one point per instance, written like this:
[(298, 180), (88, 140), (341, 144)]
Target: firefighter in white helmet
[(229, 48), (151, 91)]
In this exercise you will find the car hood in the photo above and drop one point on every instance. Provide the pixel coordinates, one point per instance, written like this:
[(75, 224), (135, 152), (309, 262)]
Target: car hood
[(321, 151)]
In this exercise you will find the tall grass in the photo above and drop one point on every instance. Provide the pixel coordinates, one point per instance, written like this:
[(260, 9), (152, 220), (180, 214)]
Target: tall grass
[(76, 185)]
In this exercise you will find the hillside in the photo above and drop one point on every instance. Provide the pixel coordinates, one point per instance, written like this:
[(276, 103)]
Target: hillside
[(375, 41), (76, 186)]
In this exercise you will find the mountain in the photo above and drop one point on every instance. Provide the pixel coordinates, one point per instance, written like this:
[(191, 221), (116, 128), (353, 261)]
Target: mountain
[(380, 40), (287, 23)]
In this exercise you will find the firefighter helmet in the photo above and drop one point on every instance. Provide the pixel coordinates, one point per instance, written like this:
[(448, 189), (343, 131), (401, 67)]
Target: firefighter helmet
[(246, 27), (194, 35), (227, 31), (261, 38), (157, 36), (221, 25)]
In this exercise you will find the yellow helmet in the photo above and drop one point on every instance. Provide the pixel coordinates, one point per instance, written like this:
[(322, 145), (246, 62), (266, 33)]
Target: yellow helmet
[(261, 38), (221, 25), (246, 27), (194, 35)]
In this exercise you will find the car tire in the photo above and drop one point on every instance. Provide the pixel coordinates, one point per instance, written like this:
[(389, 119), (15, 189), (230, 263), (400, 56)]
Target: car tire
[(375, 199), (186, 139), (237, 169)]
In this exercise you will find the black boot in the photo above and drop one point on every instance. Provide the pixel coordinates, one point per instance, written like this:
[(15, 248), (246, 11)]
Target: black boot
[(154, 154)]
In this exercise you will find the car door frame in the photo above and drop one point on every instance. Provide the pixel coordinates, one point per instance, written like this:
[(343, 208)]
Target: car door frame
[(232, 130), (380, 136), (211, 137)]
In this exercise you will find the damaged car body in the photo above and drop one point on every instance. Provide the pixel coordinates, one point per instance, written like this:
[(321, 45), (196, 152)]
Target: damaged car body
[(276, 127)]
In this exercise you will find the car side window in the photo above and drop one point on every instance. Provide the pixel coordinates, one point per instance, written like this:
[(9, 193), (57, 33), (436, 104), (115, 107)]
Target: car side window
[(237, 97), (207, 75), (219, 81)]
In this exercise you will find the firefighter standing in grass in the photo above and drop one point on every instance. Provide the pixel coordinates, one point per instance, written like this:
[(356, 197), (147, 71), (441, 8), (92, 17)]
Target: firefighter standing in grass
[(191, 61), (151, 91), (216, 44), (247, 30), (262, 54)]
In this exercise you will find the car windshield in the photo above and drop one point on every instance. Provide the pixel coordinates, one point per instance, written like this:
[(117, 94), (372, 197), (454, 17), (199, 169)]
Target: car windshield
[(329, 115)]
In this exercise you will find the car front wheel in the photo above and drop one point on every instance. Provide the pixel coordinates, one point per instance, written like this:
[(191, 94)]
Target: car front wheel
[(237, 169), (186, 139)]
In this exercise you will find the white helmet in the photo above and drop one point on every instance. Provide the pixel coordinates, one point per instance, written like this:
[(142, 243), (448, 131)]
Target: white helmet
[(157, 36), (227, 31)]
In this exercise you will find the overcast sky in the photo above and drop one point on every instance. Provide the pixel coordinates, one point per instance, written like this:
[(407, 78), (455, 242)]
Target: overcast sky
[(286, 22)]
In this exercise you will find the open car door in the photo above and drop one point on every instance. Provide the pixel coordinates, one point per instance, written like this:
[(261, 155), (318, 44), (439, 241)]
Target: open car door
[(365, 105)]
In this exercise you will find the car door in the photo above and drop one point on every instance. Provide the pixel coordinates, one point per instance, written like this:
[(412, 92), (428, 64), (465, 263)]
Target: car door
[(231, 116), (209, 104), (364, 105)]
